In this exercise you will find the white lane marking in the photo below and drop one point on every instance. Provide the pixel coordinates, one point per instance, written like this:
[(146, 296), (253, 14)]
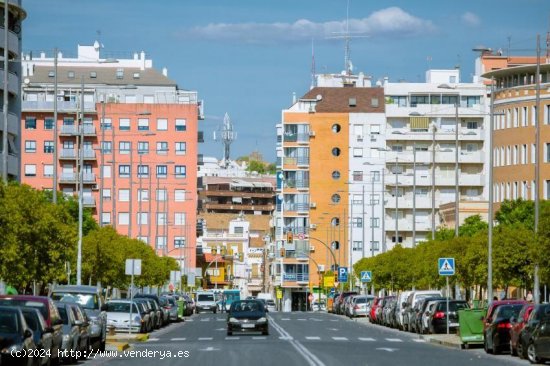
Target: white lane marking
[(286, 338), (153, 339), (333, 320), (340, 338), (419, 340), (335, 329), (394, 340), (220, 320), (367, 339), (231, 338), (209, 349), (387, 349), (310, 358), (188, 320), (259, 338), (221, 329), (285, 318), (178, 339), (313, 338), (303, 320), (205, 320), (316, 320), (205, 339)]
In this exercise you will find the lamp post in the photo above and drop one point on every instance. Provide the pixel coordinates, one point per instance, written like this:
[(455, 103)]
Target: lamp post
[(6, 99), (490, 213), (396, 202), (55, 152), (80, 187)]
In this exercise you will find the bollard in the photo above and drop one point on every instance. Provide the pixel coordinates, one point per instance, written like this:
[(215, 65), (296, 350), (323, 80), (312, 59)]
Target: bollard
[(112, 330)]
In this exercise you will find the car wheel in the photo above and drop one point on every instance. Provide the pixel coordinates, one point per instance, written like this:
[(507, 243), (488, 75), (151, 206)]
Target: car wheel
[(521, 350), (265, 332), (496, 345), (101, 346), (486, 346), (215, 311), (532, 353)]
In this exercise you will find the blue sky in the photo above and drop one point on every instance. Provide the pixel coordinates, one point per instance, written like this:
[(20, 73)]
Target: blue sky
[(247, 57)]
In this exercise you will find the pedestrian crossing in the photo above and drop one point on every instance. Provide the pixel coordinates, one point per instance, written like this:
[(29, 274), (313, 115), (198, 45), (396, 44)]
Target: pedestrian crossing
[(304, 338)]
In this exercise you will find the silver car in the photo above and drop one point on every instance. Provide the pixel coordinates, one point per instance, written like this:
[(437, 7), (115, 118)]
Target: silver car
[(172, 308), (359, 305), (119, 317)]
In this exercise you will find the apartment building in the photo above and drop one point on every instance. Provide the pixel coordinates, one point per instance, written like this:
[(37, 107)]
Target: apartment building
[(10, 126), (432, 128), (126, 132)]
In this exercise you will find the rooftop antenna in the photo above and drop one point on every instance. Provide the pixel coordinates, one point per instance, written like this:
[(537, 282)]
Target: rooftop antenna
[(313, 81), (348, 66), (226, 136)]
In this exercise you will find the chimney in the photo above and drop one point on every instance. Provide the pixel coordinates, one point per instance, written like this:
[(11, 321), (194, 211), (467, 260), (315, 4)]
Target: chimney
[(142, 59)]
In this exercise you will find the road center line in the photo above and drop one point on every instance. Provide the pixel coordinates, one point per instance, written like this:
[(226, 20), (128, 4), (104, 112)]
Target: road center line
[(178, 339), (367, 339), (394, 340), (340, 338), (205, 339), (313, 338)]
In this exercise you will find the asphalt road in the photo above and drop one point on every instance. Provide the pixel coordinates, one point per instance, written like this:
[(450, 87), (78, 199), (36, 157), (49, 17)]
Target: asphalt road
[(314, 339)]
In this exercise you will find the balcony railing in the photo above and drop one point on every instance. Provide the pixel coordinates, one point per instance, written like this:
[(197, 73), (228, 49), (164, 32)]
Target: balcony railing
[(300, 207), (88, 201), (68, 130), (293, 183), (296, 277)]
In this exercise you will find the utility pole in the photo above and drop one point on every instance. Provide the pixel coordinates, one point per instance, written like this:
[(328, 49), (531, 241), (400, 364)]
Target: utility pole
[(81, 186), (457, 189), (414, 196), (6, 94), (102, 151), (433, 181), (55, 133), (491, 198), (536, 293), (396, 202)]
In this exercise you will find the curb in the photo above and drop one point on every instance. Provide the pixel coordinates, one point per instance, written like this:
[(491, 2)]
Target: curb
[(136, 338), (441, 342), (117, 346)]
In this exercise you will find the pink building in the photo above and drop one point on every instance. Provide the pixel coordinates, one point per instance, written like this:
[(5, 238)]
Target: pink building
[(139, 166)]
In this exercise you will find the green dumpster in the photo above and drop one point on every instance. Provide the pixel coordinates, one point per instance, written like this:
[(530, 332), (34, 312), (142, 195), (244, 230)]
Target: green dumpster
[(181, 307), (470, 326)]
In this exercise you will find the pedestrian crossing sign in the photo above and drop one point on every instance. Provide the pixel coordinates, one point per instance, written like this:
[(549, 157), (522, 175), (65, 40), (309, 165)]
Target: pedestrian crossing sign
[(366, 276), (446, 266)]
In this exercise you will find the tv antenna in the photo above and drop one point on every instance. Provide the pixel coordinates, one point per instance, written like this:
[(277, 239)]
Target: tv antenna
[(347, 36), (226, 135)]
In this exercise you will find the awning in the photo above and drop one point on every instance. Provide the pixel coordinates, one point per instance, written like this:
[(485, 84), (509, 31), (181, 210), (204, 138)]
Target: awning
[(211, 258), (420, 123)]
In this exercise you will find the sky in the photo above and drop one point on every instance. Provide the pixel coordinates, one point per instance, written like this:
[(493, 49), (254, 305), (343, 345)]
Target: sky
[(247, 57)]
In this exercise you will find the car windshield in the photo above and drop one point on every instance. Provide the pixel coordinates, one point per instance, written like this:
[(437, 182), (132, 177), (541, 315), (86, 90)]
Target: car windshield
[(506, 312), (231, 296), (246, 306), (205, 297), (360, 300), (34, 304), (120, 307), (88, 301), (8, 322), (453, 306), (270, 302)]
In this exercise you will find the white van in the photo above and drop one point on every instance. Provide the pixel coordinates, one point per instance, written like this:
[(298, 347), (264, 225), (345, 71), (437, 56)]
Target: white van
[(206, 301)]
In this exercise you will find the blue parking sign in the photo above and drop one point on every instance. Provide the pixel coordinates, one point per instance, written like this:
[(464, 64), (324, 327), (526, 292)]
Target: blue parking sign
[(343, 274)]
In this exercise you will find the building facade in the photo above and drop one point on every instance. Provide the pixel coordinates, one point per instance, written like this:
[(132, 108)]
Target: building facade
[(11, 98), (126, 132)]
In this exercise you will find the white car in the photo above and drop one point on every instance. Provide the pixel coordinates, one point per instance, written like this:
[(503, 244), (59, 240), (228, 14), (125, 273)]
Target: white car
[(270, 305), (206, 301), (118, 316)]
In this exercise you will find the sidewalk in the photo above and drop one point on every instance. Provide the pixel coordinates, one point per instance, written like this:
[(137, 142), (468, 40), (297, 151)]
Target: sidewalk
[(122, 341)]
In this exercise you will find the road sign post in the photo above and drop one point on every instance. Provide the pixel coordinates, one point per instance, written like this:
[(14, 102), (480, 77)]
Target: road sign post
[(446, 268), (133, 267)]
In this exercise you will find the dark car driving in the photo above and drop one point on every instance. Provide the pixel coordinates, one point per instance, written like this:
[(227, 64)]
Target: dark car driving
[(247, 315)]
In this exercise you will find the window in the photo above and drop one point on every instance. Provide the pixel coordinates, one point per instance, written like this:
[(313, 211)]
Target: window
[(143, 124), (374, 222), (136, 75), (179, 241), (419, 99), (179, 218), (375, 176), (124, 147), (374, 199), (547, 153), (336, 128), (357, 222), (124, 124), (51, 74), (357, 199), (375, 245), (30, 146), (119, 73), (161, 194), (107, 147), (336, 175), (162, 124), (107, 124), (357, 152), (68, 121), (48, 123), (30, 170), (357, 176), (374, 102), (48, 170), (375, 129), (162, 147), (123, 218), (106, 194), (470, 125), (335, 198), (357, 245), (162, 171), (124, 195), (397, 148), (143, 195), (48, 147), (93, 74), (124, 171), (336, 151), (143, 147), (143, 171), (399, 239), (181, 124), (161, 218), (142, 218), (180, 148), (106, 171), (335, 221), (161, 242), (106, 218), (30, 123), (449, 99), (180, 171), (179, 195), (149, 99)]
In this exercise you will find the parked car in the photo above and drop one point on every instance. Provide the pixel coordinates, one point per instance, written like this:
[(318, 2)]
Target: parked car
[(146, 315), (206, 302), (15, 335), (340, 301), (270, 305), (155, 313), (347, 305), (389, 304), (119, 317), (439, 318), (71, 332), (426, 316), (422, 311), (42, 334), (539, 313), (497, 334), (247, 315), (518, 323), (84, 325), (374, 306), (412, 300), (158, 305), (91, 299), (359, 305), (189, 305), (172, 308), (493, 306), (538, 343), (48, 310), (402, 308)]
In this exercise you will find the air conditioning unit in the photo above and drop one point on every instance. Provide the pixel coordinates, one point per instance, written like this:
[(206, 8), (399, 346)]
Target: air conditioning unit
[(311, 133), (312, 205), (95, 187), (313, 226), (311, 248)]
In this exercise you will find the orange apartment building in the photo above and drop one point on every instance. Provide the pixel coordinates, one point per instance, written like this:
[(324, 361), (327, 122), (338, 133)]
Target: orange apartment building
[(137, 139)]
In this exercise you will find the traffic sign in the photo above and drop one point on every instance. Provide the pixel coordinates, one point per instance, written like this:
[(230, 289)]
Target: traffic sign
[(328, 281), (343, 274), (446, 266), (366, 276), (279, 293), (332, 290)]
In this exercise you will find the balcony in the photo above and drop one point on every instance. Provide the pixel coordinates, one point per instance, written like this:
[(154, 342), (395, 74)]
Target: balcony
[(88, 130), (13, 82), (88, 154), (71, 154), (238, 207), (297, 207), (300, 162), (68, 130), (299, 184), (474, 157), (62, 106), (296, 277), (88, 201), (68, 178)]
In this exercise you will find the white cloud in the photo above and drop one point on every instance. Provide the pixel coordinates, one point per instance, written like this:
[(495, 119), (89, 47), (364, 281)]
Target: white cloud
[(471, 19), (390, 22)]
